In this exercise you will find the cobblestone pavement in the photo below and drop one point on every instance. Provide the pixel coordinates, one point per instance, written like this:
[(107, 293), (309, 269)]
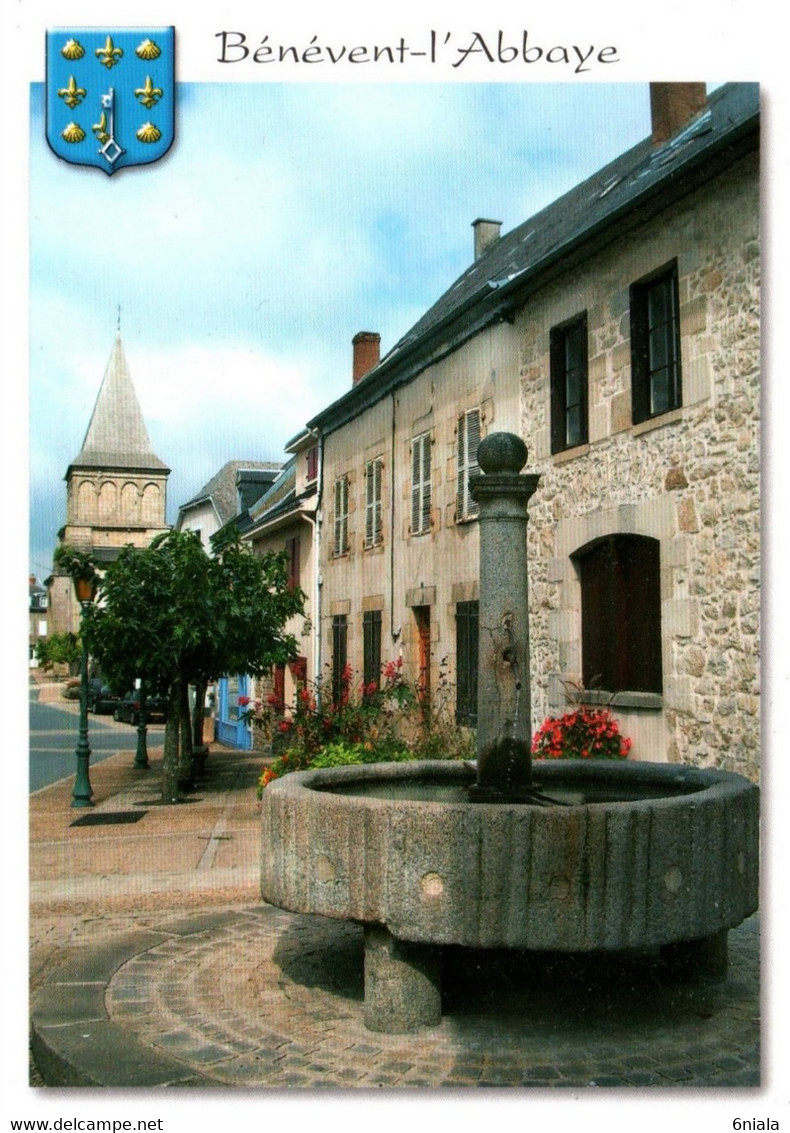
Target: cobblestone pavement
[(254, 996), (153, 962)]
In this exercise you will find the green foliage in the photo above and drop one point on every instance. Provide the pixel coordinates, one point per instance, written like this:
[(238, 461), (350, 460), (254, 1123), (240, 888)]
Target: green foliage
[(59, 648), (76, 564), (336, 754), (170, 614), (375, 723)]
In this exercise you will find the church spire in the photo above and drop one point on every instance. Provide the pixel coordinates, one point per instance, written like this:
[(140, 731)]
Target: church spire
[(116, 435)]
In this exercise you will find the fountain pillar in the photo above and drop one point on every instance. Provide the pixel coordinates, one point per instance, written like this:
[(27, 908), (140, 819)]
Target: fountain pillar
[(504, 720)]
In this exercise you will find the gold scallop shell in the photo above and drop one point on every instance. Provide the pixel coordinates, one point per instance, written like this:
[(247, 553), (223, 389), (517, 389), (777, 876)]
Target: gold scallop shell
[(73, 133), (72, 49), (148, 50), (149, 133)]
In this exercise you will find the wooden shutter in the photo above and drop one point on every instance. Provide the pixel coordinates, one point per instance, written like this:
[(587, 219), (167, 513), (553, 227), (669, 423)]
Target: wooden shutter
[(373, 521), (468, 439), (421, 484), (341, 516)]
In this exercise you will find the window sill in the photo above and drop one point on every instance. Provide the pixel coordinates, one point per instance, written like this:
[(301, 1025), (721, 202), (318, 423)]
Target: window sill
[(668, 418), (652, 701), (570, 453)]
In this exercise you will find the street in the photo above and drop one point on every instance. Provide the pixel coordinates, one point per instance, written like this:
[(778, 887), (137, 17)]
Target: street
[(53, 738)]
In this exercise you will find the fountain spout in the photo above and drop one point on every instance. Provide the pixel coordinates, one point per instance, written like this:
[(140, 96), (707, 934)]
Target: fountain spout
[(504, 723)]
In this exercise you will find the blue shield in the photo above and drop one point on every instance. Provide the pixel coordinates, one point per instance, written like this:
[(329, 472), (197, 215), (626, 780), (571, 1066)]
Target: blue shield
[(110, 95)]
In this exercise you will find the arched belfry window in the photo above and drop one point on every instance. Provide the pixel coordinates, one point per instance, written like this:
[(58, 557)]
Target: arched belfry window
[(621, 613)]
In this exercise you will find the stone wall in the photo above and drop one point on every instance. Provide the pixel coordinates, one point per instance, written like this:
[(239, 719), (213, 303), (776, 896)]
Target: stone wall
[(689, 478)]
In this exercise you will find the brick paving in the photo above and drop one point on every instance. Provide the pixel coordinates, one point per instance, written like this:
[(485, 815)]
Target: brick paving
[(153, 962)]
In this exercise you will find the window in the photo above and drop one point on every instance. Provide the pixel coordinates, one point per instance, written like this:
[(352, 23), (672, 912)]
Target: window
[(371, 647), (421, 484), (312, 464), (467, 620), (468, 440), (655, 345), (621, 614), (341, 516), (339, 654), (568, 364), (373, 522), (292, 551)]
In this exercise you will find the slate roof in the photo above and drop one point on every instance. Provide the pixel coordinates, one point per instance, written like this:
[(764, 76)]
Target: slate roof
[(221, 488), (623, 194), (116, 437)]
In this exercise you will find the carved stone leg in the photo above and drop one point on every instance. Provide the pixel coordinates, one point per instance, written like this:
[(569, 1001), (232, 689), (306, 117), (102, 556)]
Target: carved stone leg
[(402, 983), (704, 959)]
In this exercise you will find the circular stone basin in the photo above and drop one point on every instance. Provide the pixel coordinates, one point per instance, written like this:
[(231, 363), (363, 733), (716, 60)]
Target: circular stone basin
[(646, 854)]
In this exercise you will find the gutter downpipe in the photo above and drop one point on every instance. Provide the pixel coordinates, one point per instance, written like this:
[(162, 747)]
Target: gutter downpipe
[(394, 633), (317, 524)]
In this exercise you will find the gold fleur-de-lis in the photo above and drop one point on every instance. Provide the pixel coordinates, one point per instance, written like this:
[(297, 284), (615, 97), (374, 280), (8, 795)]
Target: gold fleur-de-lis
[(100, 129), (71, 94), (148, 94), (109, 55)]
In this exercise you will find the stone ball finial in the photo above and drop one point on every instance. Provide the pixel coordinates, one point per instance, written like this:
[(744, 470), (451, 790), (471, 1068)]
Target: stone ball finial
[(502, 452)]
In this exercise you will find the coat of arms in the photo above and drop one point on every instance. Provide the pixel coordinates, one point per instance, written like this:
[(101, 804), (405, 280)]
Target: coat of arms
[(110, 95)]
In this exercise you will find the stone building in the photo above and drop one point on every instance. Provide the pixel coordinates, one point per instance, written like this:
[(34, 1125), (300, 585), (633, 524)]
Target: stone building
[(116, 486), (617, 331)]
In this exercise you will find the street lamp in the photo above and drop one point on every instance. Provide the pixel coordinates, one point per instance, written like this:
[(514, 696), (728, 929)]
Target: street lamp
[(81, 795), (141, 755)]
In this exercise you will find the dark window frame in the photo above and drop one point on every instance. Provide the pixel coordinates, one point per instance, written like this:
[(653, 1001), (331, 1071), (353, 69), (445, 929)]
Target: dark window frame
[(620, 577), (371, 647), (656, 370), (569, 369), (467, 649), (339, 653)]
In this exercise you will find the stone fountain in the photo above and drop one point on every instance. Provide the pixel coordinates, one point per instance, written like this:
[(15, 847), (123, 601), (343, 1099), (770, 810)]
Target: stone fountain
[(564, 857)]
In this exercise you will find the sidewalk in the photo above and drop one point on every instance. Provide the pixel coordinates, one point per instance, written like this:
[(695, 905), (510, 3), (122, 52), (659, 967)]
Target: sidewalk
[(154, 962)]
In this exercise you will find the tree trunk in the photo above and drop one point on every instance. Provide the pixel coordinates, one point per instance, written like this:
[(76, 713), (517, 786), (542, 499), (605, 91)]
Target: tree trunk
[(186, 769), (198, 713), (170, 759)]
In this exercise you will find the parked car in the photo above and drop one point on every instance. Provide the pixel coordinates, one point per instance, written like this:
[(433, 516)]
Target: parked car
[(101, 697), (128, 709)]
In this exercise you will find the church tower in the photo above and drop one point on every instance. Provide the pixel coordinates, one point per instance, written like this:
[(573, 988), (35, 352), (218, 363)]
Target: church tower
[(116, 485)]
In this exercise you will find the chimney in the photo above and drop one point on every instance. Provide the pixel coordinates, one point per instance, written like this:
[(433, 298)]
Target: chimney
[(672, 106), (366, 353), (486, 234)]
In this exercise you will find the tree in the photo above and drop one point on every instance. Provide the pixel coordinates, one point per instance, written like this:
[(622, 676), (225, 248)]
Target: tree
[(170, 614), (59, 648)]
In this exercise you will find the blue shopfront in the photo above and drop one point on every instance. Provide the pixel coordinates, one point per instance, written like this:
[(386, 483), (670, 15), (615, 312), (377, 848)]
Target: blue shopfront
[(234, 695)]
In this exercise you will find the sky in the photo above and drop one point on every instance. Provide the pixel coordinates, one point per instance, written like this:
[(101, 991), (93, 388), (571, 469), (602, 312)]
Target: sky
[(285, 218)]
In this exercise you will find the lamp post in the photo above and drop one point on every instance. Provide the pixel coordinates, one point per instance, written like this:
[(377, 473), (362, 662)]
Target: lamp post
[(81, 795), (141, 755)]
